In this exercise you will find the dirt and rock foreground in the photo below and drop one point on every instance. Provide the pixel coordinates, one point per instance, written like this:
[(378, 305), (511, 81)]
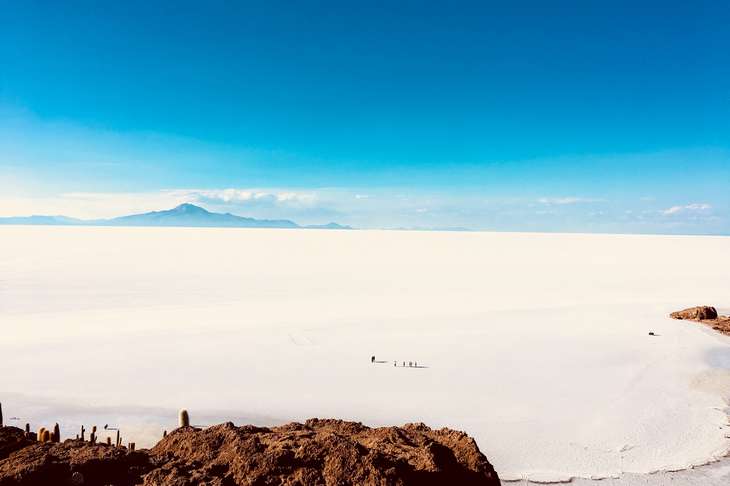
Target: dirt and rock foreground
[(318, 452)]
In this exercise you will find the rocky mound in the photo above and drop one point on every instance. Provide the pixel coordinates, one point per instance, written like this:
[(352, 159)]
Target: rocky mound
[(73, 462), (698, 313), (11, 440), (319, 452), (706, 315)]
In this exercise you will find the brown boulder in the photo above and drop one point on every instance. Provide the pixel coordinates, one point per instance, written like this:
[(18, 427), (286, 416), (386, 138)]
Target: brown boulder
[(705, 315), (700, 313)]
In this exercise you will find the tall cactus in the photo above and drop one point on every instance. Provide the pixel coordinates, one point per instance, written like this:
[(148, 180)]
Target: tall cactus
[(184, 419), (56, 433), (39, 436), (1, 414)]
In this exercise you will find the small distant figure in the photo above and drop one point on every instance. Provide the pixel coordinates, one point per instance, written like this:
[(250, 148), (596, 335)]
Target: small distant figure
[(395, 363), (372, 359), (651, 333)]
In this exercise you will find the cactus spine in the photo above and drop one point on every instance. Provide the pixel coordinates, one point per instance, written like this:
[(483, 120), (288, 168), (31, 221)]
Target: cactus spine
[(184, 420)]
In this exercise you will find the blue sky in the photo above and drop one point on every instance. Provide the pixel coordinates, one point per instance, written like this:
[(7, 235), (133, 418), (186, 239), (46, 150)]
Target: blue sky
[(523, 116)]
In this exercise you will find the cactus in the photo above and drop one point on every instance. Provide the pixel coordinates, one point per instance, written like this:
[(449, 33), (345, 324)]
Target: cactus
[(118, 442), (56, 436), (164, 434), (27, 429), (184, 420), (39, 435), (82, 433), (92, 436), (1, 414), (131, 446), (108, 440), (46, 436)]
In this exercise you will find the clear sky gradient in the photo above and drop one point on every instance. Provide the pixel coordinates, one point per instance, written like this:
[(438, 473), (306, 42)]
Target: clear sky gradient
[(525, 116)]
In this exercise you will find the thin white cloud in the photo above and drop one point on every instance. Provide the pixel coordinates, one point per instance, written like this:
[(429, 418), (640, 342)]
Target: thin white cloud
[(560, 201), (90, 205), (254, 197), (688, 208)]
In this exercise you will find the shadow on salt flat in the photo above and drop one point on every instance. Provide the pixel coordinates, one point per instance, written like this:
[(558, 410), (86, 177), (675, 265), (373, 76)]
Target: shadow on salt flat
[(719, 357)]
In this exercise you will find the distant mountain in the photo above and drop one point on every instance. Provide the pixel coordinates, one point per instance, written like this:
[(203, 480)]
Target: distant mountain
[(188, 215), (434, 228), (328, 226), (41, 220), (191, 215)]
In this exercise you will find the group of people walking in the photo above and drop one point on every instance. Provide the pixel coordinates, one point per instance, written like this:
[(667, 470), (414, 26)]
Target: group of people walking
[(411, 364)]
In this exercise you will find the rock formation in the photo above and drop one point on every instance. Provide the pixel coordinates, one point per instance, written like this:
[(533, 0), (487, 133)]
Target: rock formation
[(706, 315), (12, 439), (699, 313), (319, 452)]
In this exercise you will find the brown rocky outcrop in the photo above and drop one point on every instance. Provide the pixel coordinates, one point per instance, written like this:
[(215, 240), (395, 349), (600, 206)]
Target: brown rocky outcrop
[(706, 315), (698, 313), (319, 452), (73, 462), (11, 440)]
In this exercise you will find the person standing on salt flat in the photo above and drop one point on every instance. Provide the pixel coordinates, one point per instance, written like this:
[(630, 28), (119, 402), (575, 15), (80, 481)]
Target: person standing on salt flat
[(372, 359)]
